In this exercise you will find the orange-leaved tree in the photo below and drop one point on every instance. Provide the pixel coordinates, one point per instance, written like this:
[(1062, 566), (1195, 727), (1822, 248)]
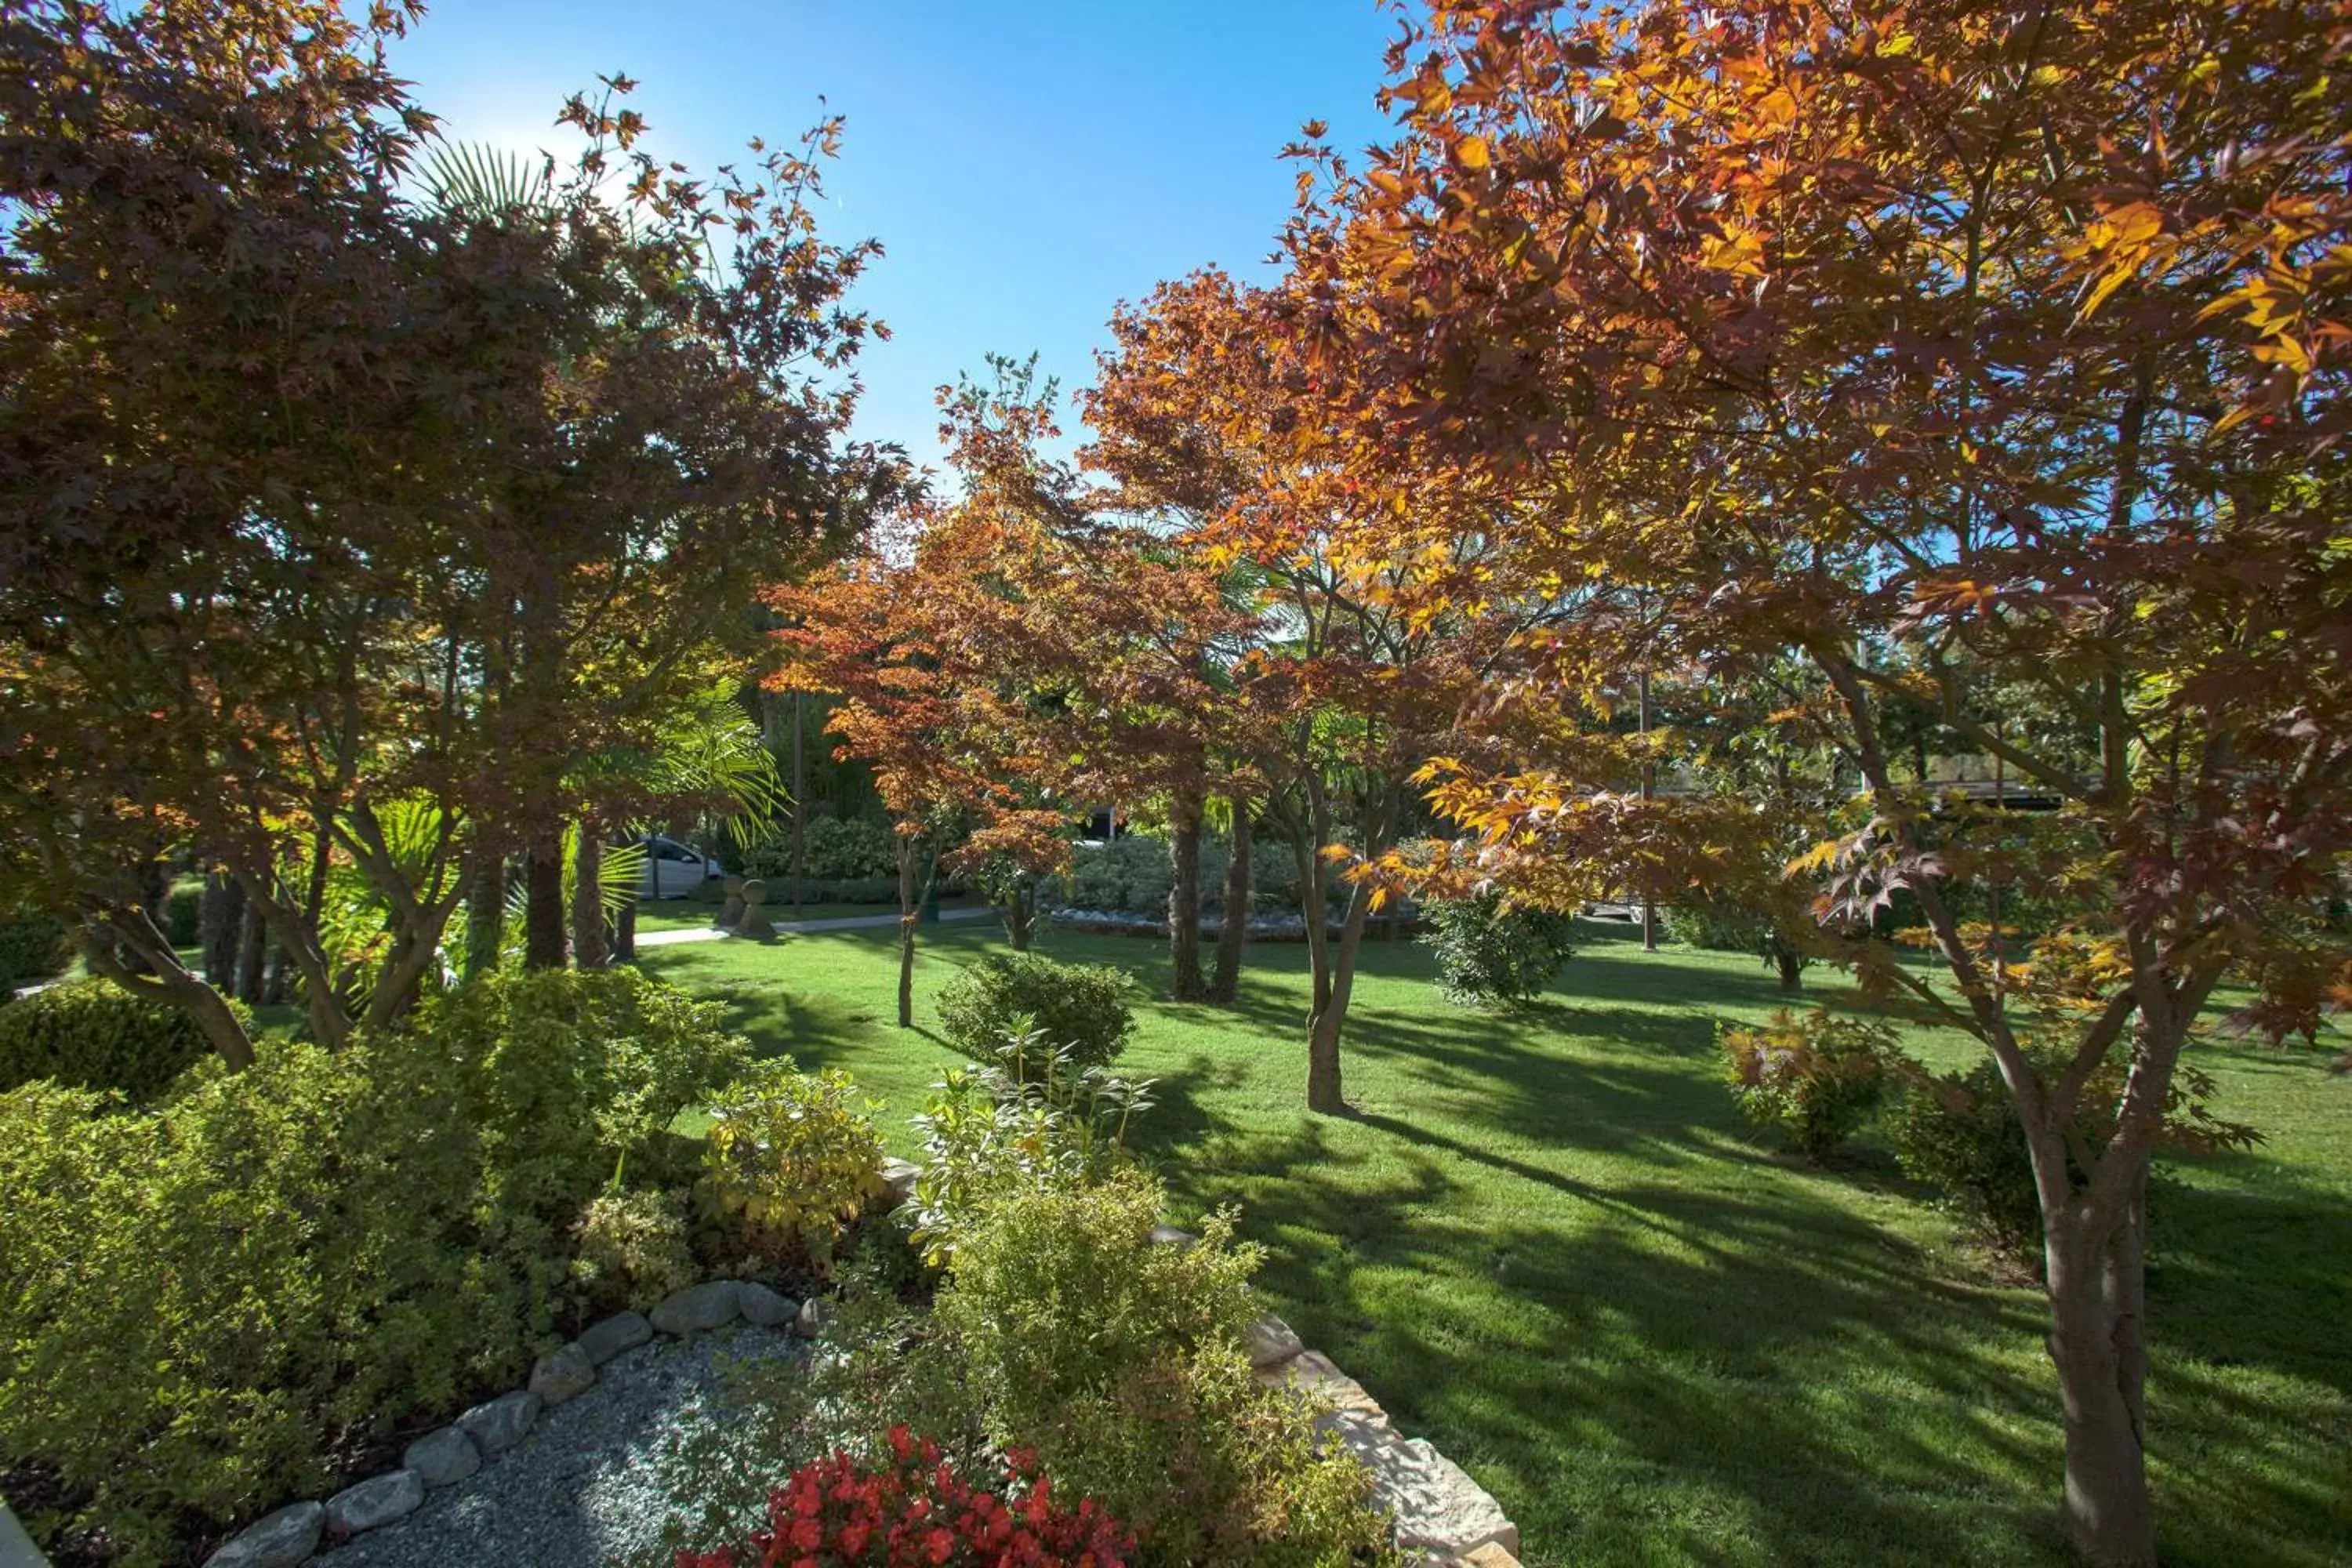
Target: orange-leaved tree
[(1985, 359)]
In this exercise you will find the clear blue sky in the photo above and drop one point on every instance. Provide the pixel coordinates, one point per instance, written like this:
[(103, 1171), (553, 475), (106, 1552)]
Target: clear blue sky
[(1027, 166)]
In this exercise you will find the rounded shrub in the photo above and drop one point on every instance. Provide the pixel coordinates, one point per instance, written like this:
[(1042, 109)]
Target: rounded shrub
[(1489, 955), (92, 1033), (1084, 1009), (1817, 1076), (1958, 1134), (793, 1159), (33, 946)]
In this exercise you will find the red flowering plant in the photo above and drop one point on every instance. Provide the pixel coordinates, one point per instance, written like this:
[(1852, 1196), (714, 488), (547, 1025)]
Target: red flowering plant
[(916, 1511)]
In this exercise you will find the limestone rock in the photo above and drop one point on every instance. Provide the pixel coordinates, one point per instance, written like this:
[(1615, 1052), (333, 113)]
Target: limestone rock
[(1439, 1510), (503, 1421), (762, 1307), (1311, 1373), (562, 1374), (811, 1320), (280, 1540), (377, 1500), (898, 1178), (1494, 1555), (1270, 1341), (443, 1458), (608, 1339), (699, 1308)]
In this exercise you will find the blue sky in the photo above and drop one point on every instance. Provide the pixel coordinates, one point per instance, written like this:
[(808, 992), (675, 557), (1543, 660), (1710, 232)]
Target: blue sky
[(1027, 166)]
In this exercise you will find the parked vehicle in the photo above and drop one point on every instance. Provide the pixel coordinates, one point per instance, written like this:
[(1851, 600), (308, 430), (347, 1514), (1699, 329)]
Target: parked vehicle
[(674, 870)]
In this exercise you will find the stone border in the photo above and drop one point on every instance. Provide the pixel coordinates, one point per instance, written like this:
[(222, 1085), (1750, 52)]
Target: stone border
[(1441, 1515)]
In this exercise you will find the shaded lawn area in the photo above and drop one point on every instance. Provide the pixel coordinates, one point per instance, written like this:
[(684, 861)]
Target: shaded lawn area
[(687, 914), (1549, 1242)]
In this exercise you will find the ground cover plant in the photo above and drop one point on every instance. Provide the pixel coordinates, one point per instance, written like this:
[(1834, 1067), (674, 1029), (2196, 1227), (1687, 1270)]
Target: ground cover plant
[(1552, 1244)]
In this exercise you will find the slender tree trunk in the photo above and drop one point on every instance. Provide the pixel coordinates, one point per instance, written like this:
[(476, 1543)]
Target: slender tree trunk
[(1791, 965), (1184, 896), (1323, 1081), (625, 932), (2098, 1283), (589, 948), (1226, 982), (1019, 913), (252, 954), (222, 916), (486, 916), (543, 943), (910, 911), (1313, 910), (109, 950)]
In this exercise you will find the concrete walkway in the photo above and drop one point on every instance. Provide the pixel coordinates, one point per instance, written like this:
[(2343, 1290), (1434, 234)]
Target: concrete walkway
[(789, 928)]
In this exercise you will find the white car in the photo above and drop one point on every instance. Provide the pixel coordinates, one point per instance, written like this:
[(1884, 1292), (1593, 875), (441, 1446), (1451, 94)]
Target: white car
[(674, 870)]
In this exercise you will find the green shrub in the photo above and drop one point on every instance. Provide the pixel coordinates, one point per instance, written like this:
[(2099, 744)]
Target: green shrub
[(1488, 955), (1717, 926), (1083, 1008), (631, 1250), (200, 1299), (1817, 1077), (183, 914), (92, 1033), (1027, 1117), (572, 1074), (792, 1160), (33, 947), (831, 851), (1958, 1134), (1119, 1359)]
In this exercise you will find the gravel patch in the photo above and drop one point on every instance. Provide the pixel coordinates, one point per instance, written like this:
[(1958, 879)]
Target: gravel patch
[(579, 1492)]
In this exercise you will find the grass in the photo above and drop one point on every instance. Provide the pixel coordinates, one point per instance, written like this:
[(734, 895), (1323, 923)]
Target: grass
[(1548, 1243), (687, 914)]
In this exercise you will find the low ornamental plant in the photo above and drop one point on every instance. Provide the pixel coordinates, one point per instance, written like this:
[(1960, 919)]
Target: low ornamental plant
[(1816, 1076), (917, 1511)]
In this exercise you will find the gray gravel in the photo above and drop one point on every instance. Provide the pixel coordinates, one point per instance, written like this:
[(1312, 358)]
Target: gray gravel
[(581, 1490)]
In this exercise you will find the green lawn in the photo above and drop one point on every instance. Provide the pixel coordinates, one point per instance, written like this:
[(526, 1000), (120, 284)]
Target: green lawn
[(1550, 1244), (685, 914)]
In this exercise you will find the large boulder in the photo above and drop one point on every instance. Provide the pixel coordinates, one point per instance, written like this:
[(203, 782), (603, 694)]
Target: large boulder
[(698, 1308), (562, 1374), (503, 1421), (280, 1540), (377, 1500), (443, 1458), (762, 1307), (604, 1341)]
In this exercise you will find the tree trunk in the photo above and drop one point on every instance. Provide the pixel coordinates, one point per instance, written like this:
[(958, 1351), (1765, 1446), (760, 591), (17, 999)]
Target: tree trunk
[(1312, 910), (252, 954), (109, 950), (1791, 965), (910, 911), (2097, 1282), (1226, 981), (542, 937), (1019, 913), (222, 917), (625, 933), (1323, 1086), (486, 916), (1184, 896), (589, 948)]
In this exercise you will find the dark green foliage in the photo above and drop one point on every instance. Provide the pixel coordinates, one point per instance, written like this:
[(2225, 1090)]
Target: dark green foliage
[(183, 917), (32, 947), (198, 1300), (1958, 1134), (1718, 926), (571, 1073), (831, 851), (92, 1033), (1490, 956), (1085, 1009), (1817, 1077), (1131, 875)]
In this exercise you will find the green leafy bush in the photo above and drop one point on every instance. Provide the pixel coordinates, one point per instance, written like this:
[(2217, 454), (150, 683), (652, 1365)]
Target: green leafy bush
[(631, 1249), (1717, 926), (571, 1073), (92, 1033), (1958, 1132), (183, 913), (1817, 1077), (1117, 1359), (33, 947), (791, 1158), (1083, 1008), (831, 851), (1027, 1117), (200, 1299), (1488, 955)]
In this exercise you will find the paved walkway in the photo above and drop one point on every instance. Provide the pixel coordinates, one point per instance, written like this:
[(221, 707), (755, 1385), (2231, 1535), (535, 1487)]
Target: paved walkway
[(787, 927)]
